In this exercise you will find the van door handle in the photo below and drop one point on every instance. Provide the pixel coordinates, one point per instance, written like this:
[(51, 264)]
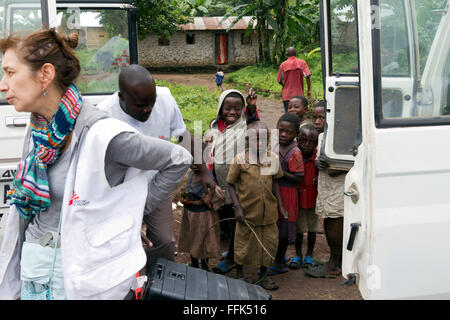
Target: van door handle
[(17, 121), (352, 193), (354, 229)]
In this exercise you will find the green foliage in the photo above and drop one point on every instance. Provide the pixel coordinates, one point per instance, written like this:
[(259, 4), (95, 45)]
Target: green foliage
[(115, 22), (196, 103), (262, 79), (159, 17)]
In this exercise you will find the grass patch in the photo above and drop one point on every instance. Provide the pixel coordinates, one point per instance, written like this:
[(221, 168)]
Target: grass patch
[(196, 103), (264, 79)]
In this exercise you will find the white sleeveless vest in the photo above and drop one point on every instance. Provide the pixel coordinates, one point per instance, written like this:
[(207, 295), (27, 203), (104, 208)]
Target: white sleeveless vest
[(101, 226)]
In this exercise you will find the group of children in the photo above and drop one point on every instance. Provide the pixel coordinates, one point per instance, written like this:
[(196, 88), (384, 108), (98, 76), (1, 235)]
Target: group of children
[(266, 190)]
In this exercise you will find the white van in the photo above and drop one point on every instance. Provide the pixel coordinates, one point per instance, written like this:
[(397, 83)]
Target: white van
[(107, 40), (387, 86)]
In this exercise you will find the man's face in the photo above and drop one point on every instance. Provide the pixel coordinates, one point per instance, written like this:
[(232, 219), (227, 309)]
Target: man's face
[(138, 102)]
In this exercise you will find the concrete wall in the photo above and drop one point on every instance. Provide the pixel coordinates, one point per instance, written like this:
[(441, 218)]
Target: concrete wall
[(203, 53)]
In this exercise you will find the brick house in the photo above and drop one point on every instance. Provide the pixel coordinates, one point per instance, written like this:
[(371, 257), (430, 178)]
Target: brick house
[(203, 43)]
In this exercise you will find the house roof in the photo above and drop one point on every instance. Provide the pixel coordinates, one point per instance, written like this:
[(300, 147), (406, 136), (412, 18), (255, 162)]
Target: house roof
[(213, 23)]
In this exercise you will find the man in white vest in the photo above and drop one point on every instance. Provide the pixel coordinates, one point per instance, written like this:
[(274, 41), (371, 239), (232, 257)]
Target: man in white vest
[(153, 112)]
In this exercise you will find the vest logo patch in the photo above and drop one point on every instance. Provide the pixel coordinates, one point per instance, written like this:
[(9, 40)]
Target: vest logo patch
[(76, 202)]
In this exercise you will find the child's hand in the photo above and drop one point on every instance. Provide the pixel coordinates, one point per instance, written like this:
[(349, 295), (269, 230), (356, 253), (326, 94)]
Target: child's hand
[(251, 97), (207, 198), (239, 214), (321, 165), (283, 212), (220, 193)]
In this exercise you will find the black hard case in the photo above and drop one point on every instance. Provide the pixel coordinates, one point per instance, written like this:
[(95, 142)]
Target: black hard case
[(175, 281)]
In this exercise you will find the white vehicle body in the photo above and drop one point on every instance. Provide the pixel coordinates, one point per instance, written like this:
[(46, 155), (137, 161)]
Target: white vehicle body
[(98, 80), (397, 192)]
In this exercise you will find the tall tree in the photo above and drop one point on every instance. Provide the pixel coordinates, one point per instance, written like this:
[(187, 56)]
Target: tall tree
[(260, 10), (160, 17)]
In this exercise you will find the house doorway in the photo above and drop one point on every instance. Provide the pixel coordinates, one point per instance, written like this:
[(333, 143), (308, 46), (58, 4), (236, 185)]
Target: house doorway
[(221, 48)]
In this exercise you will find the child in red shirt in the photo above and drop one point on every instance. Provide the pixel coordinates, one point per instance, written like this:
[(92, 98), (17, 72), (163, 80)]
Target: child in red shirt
[(307, 220)]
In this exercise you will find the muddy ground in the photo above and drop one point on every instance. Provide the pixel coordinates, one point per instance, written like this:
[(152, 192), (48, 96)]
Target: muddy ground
[(294, 285)]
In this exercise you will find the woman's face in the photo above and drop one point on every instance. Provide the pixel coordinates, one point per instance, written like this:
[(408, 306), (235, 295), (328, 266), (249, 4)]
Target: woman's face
[(231, 109), (19, 83)]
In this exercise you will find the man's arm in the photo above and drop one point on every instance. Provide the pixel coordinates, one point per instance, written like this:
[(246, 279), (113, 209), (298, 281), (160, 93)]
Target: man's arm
[(280, 78), (308, 83)]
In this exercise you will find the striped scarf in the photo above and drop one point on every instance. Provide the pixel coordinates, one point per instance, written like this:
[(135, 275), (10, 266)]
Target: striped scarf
[(31, 190)]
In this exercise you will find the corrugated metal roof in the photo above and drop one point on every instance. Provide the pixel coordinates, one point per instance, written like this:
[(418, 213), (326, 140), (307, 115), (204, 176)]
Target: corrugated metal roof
[(213, 23)]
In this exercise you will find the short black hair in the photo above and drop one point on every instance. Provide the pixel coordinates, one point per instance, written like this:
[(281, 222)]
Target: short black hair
[(308, 127), (319, 104), (291, 118), (303, 99)]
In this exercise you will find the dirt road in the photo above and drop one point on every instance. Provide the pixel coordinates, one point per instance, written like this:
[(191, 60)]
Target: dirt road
[(294, 285)]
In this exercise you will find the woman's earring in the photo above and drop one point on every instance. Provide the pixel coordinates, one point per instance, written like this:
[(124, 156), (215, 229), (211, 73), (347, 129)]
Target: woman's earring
[(44, 92)]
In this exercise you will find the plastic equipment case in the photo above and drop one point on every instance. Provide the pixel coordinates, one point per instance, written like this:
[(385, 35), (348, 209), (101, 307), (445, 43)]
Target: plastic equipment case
[(175, 281)]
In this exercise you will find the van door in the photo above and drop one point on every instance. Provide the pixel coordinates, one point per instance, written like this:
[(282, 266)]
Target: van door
[(341, 82), (397, 217)]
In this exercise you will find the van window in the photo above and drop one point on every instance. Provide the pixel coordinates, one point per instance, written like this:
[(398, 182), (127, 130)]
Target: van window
[(343, 39), (103, 46), (395, 55), (414, 45)]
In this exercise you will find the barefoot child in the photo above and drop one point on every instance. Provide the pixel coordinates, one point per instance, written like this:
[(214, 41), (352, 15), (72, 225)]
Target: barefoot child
[(292, 165), (230, 130), (255, 192), (307, 220), (198, 235), (299, 105)]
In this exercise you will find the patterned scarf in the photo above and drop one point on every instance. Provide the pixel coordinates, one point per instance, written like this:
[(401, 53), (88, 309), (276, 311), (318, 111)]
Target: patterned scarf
[(31, 190)]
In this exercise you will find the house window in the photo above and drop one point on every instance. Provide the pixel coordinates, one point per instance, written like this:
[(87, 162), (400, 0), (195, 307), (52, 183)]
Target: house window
[(245, 39), (190, 38), (163, 42)]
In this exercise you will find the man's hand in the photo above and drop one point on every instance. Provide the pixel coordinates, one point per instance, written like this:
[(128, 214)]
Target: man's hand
[(206, 180), (146, 240), (309, 94), (239, 214)]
